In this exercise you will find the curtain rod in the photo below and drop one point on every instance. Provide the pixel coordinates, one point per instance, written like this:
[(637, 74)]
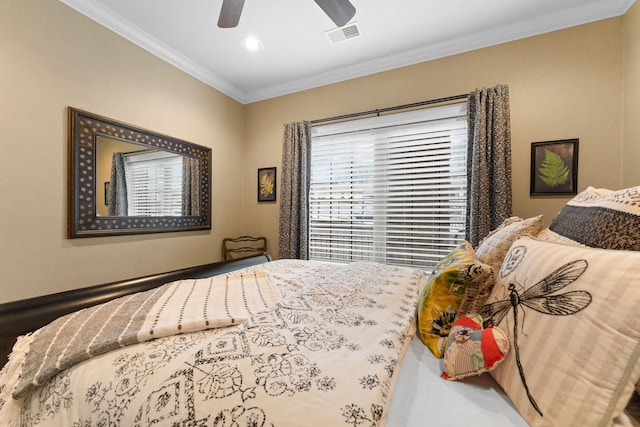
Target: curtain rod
[(386, 110), (144, 151)]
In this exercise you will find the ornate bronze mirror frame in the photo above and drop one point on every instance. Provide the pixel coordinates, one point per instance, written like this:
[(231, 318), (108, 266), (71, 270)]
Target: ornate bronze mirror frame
[(86, 197)]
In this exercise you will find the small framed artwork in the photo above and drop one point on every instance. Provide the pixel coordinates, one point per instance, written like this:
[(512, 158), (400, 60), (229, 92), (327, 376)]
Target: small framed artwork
[(107, 192), (554, 167), (267, 185)]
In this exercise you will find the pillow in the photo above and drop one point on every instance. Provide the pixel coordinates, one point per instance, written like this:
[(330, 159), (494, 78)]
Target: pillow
[(551, 236), (591, 193), (602, 218), (582, 198), (459, 284), (473, 350), (574, 331), (495, 245)]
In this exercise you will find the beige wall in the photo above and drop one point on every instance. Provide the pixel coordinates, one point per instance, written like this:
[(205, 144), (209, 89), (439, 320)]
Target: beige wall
[(631, 157), (52, 57), (566, 84)]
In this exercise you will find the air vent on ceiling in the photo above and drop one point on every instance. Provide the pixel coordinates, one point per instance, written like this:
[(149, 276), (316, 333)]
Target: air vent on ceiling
[(341, 34)]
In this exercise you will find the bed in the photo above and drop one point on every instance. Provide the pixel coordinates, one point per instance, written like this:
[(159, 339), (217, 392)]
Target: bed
[(304, 343), (334, 364)]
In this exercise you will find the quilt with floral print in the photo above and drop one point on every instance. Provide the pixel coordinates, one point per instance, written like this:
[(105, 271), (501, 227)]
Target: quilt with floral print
[(325, 355)]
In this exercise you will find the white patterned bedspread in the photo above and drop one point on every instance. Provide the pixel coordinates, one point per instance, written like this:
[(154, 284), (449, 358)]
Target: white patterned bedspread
[(324, 356)]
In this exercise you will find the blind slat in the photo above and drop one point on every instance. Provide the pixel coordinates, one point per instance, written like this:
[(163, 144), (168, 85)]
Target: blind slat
[(154, 185), (394, 193)]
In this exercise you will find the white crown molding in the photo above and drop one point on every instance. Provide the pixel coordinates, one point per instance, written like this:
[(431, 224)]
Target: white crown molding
[(602, 9), (625, 5), (134, 34), (597, 10)]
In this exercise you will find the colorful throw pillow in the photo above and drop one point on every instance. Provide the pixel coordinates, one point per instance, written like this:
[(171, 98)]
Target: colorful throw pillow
[(572, 318), (473, 350), (494, 246), (602, 218), (458, 285)]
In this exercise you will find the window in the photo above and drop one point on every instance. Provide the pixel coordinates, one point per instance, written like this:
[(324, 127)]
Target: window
[(154, 184), (390, 189)]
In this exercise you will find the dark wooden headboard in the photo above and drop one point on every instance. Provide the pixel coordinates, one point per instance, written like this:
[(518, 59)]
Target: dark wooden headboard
[(20, 317)]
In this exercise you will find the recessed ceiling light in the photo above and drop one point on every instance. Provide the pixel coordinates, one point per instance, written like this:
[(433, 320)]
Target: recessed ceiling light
[(251, 44)]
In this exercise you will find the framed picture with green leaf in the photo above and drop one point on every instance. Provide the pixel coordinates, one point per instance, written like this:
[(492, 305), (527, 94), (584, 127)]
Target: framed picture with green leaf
[(554, 167), (267, 185)]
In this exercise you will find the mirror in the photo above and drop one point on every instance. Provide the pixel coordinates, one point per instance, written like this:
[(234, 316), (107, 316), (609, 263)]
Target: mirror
[(127, 180), (152, 182)]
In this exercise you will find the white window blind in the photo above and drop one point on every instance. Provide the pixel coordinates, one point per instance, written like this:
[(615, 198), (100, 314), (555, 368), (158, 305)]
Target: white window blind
[(154, 184), (390, 189)]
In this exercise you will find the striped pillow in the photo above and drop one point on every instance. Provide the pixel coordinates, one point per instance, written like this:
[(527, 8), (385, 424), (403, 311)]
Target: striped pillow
[(494, 246), (575, 333), (551, 236), (602, 218)]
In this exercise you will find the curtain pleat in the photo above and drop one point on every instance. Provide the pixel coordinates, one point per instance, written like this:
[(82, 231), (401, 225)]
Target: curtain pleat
[(118, 205), (489, 161), (190, 186), (294, 185)]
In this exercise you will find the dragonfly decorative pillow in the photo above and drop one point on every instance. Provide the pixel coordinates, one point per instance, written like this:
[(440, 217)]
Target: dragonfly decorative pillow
[(572, 318)]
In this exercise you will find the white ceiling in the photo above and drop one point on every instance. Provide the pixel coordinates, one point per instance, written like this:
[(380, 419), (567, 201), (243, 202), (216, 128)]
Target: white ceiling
[(297, 55)]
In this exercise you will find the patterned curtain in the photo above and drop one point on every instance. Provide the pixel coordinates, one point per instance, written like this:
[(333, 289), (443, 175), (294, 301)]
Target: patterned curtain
[(294, 193), (489, 161), (118, 204), (190, 186)]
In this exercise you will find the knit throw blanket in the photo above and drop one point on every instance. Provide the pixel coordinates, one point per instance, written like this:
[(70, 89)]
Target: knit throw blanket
[(174, 308)]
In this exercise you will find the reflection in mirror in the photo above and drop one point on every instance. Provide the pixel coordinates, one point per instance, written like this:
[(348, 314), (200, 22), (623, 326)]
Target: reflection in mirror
[(127, 180), (142, 181)]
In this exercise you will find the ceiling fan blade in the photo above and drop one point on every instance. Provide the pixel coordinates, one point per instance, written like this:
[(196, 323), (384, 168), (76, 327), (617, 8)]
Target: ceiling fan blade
[(340, 11), (230, 13)]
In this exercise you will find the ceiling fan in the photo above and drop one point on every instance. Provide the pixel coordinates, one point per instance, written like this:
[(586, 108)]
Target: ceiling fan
[(340, 11)]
